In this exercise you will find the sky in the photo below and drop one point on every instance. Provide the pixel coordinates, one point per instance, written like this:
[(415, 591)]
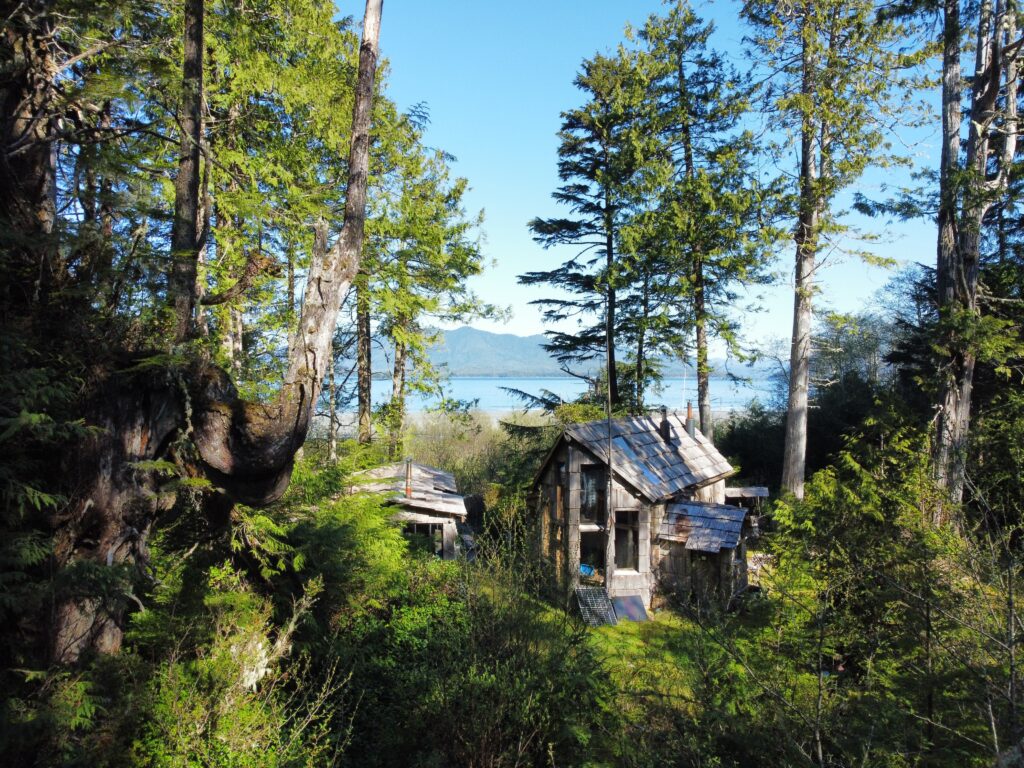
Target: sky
[(496, 75)]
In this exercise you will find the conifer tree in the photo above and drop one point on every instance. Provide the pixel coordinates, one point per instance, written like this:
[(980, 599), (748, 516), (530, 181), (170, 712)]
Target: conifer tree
[(714, 216), (600, 155), (836, 74)]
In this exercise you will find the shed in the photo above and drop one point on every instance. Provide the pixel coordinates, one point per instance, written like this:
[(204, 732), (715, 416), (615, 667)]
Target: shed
[(752, 498), (427, 498), (704, 551)]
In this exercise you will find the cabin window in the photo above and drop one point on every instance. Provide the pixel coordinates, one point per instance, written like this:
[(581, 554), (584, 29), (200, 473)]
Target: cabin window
[(627, 539), (592, 555), (593, 492)]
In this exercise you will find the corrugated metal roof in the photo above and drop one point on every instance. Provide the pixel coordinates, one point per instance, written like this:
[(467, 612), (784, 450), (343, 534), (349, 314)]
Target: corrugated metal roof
[(658, 468), (433, 489), (704, 527)]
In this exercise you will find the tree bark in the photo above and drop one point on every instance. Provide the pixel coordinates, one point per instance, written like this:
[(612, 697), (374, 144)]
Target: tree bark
[(246, 449), (364, 362), (703, 369), (609, 315), (28, 161), (397, 420), (961, 216), (184, 232), (795, 450), (332, 405), (641, 347)]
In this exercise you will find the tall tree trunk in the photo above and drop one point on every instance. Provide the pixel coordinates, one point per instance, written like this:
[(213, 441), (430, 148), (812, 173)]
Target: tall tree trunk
[(231, 339), (641, 347), (609, 315), (958, 258), (795, 450), (703, 368), (28, 159), (700, 312), (364, 361), (332, 406), (245, 449), (204, 217), (184, 232), (397, 420)]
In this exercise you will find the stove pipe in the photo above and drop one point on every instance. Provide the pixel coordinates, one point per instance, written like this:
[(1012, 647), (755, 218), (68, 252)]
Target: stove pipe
[(691, 425), (663, 428)]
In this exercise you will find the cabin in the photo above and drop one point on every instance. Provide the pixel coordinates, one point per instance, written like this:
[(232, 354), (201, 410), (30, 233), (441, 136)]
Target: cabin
[(667, 529), (427, 501)]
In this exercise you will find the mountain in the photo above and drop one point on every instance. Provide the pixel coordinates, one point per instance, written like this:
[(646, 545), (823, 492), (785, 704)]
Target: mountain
[(471, 352)]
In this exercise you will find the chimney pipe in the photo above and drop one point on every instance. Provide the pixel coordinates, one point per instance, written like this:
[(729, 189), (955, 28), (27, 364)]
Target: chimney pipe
[(408, 478), (691, 425), (663, 428)]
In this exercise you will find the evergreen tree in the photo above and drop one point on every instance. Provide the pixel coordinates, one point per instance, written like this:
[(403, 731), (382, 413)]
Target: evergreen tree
[(836, 69), (714, 217), (600, 154)]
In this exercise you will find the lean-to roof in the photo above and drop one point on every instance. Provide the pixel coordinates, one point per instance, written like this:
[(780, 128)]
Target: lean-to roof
[(703, 527)]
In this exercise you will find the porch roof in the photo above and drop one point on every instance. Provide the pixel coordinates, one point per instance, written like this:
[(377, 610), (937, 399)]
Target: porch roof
[(703, 527)]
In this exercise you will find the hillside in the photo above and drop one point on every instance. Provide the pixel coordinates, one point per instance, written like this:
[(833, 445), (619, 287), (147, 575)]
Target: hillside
[(468, 351)]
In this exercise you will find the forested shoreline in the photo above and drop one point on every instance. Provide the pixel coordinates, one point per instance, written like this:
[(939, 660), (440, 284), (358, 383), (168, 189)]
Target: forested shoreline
[(216, 225)]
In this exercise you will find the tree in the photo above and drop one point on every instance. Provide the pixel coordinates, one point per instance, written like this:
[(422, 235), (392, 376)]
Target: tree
[(837, 66), (151, 412), (971, 179), (426, 252), (714, 214), (599, 156)]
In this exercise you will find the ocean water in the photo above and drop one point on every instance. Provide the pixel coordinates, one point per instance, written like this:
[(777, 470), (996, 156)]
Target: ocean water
[(491, 394)]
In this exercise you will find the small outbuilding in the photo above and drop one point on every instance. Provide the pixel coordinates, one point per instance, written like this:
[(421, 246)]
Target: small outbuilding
[(666, 530), (427, 500)]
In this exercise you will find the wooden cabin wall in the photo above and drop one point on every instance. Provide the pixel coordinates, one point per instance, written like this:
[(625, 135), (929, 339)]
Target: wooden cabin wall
[(574, 460), (711, 494), (637, 582), (552, 517)]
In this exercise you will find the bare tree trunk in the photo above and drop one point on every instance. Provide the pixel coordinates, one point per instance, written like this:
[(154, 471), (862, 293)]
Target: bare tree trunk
[(707, 426), (700, 314), (184, 232), (246, 449), (958, 260), (641, 344), (795, 451), (204, 217), (332, 405), (364, 362), (28, 160), (609, 315), (397, 420)]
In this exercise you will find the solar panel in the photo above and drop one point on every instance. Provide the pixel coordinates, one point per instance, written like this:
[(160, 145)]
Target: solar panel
[(595, 607), (630, 608)]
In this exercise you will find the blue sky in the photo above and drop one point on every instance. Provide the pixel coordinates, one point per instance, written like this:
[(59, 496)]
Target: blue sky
[(497, 75)]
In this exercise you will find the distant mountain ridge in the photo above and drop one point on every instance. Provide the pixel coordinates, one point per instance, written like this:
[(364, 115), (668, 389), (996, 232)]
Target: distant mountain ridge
[(467, 352)]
